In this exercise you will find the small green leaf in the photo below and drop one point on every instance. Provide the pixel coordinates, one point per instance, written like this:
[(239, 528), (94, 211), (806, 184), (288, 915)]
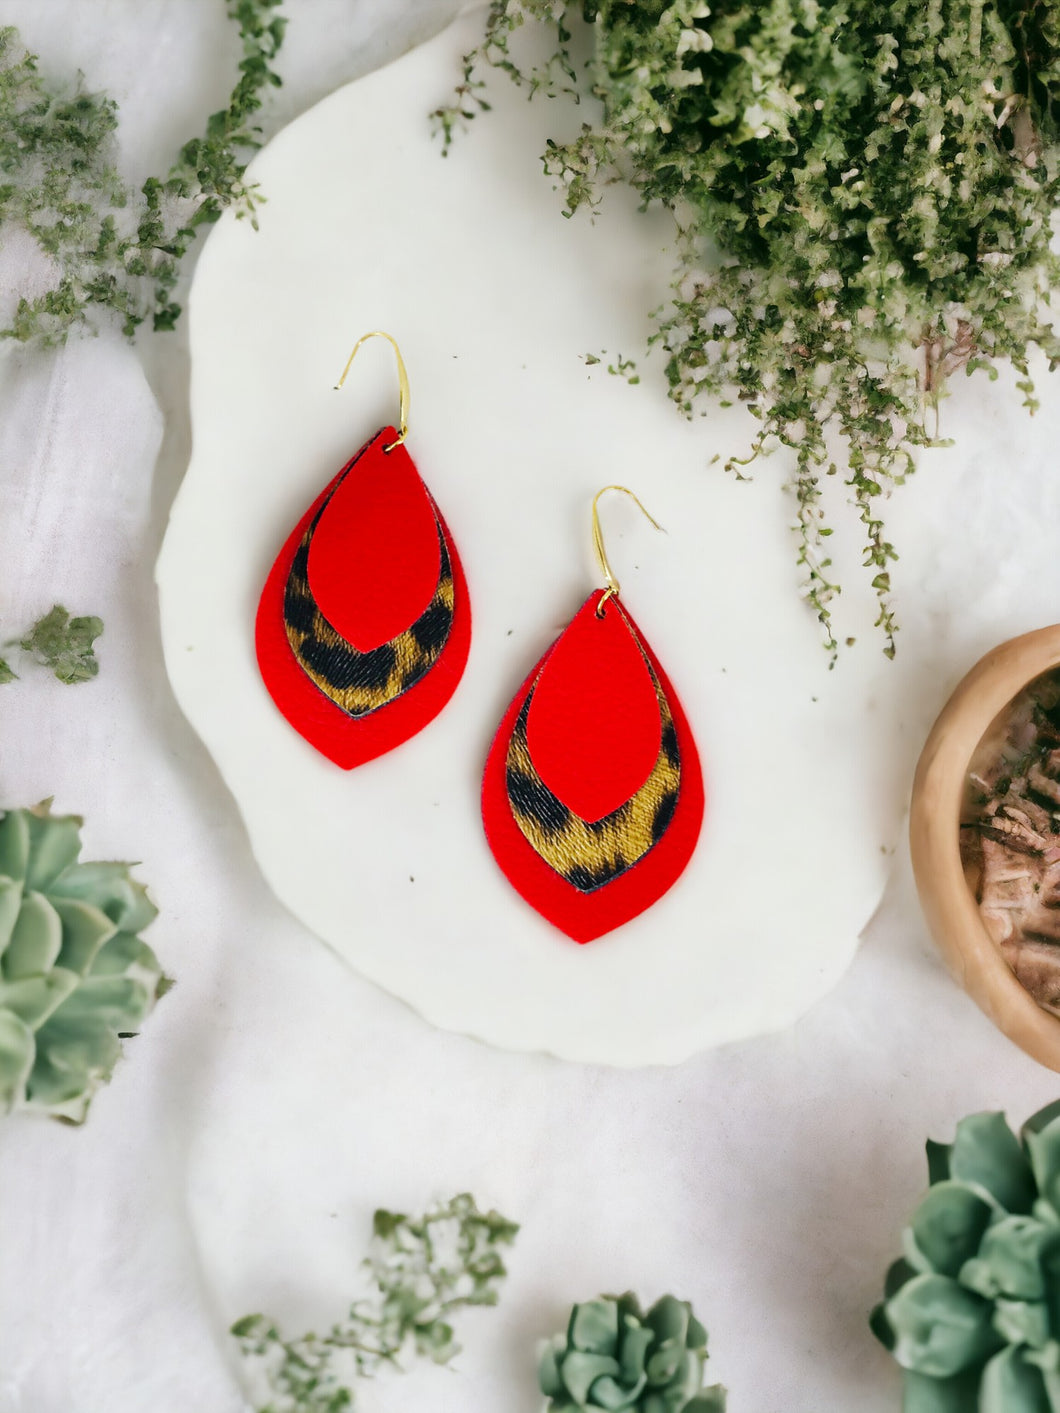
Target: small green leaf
[(1009, 1260), (64, 644), (7, 673), (940, 1328), (10, 904), (549, 1379), (14, 844), (110, 887), (85, 929), (54, 844), (17, 1052), (921, 1394), (74, 1056), (1043, 1148), (1011, 1385), (1022, 1322), (580, 1371), (711, 1400), (987, 1154), (35, 997), (36, 940), (594, 1327), (947, 1228)]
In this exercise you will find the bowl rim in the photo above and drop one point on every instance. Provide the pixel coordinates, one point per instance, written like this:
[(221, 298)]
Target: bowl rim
[(949, 906)]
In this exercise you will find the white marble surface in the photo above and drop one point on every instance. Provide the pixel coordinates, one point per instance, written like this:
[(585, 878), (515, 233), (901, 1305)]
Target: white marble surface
[(276, 1097), (515, 433)]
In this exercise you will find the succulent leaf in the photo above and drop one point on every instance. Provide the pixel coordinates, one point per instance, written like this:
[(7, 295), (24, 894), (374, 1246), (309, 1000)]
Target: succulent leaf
[(987, 1154), (1022, 1322), (54, 844), (635, 1345), (84, 930), (74, 975), (74, 1055), (1043, 1148), (973, 1312), (1009, 1260), (947, 1228), (10, 904), (615, 1357), (16, 1057), (125, 953), (594, 1326), (923, 1395), (14, 844), (940, 1328), (581, 1370), (111, 888), (34, 998), (1011, 1385), (711, 1400), (36, 940)]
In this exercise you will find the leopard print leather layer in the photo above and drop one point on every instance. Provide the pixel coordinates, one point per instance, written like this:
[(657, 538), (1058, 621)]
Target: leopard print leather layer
[(360, 683), (588, 855)]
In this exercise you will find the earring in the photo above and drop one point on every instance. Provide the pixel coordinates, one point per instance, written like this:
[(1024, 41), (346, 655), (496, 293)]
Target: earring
[(364, 624), (592, 797)]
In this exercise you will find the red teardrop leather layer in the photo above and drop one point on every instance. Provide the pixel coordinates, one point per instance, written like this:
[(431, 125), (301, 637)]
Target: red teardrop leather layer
[(364, 625), (592, 797), (593, 728)]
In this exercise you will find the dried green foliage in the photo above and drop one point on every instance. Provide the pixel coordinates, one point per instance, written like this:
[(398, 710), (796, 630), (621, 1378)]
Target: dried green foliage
[(64, 644), (60, 643), (116, 253), (862, 193), (422, 1270)]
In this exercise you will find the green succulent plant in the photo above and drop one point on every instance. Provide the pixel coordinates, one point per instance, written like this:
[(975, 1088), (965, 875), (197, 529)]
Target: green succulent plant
[(615, 1356), (972, 1310), (75, 977)]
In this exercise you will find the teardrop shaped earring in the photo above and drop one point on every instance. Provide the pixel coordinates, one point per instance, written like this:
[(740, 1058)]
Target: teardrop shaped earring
[(364, 626), (592, 797)]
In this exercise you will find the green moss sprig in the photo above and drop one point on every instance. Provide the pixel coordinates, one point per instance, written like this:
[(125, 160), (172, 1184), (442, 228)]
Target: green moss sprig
[(422, 1271), (117, 253), (862, 196)]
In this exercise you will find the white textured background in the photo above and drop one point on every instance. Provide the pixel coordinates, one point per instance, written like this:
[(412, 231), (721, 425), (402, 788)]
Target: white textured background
[(766, 1182)]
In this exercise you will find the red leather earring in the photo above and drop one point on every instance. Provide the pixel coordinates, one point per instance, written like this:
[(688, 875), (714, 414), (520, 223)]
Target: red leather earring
[(364, 625), (592, 797)]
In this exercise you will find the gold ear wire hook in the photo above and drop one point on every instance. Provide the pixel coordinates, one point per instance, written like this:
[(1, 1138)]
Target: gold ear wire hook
[(403, 382), (598, 542)]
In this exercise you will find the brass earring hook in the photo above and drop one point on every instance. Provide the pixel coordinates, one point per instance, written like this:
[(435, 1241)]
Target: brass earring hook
[(403, 383), (612, 583)]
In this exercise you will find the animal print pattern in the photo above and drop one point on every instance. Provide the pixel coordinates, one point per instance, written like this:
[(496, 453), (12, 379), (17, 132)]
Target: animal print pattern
[(588, 855), (360, 683)]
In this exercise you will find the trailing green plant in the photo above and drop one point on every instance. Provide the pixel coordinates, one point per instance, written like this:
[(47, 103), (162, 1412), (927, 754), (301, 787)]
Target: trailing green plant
[(114, 252), (76, 979), (61, 643), (422, 1271), (972, 1310), (862, 196), (614, 1356)]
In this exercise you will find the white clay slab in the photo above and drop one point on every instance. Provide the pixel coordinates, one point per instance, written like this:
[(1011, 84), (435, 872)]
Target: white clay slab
[(495, 300)]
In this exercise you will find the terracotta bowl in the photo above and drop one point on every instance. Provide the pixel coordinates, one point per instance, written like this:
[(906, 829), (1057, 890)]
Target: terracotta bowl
[(934, 836)]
